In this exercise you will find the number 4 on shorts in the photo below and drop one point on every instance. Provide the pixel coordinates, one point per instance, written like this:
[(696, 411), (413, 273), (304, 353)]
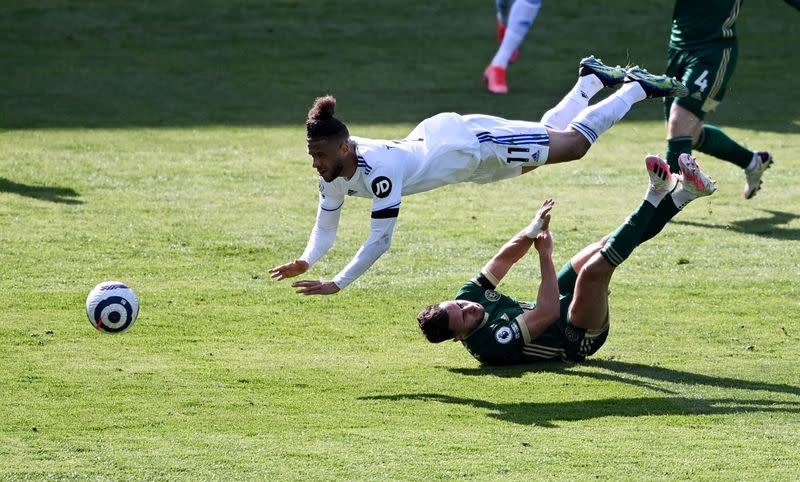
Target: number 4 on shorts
[(701, 81)]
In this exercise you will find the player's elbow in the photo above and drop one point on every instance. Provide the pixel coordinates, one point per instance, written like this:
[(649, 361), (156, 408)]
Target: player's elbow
[(384, 243)]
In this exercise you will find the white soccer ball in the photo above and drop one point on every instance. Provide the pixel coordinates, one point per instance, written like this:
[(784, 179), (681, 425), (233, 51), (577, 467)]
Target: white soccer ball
[(112, 307)]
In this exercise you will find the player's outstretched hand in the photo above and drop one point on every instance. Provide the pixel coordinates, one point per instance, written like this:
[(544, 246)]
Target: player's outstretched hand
[(315, 287), (288, 270), (544, 213), (541, 222)]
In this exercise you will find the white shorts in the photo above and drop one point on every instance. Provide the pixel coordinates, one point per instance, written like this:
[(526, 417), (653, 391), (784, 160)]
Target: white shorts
[(506, 146)]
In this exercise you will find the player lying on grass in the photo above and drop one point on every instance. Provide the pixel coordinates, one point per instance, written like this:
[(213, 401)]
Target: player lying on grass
[(449, 148), (570, 319)]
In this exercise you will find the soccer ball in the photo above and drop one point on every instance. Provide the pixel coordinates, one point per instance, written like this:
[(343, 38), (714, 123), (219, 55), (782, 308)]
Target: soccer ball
[(112, 307)]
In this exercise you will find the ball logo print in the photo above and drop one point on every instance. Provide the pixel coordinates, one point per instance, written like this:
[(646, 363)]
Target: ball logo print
[(503, 335), (382, 186), (112, 307)]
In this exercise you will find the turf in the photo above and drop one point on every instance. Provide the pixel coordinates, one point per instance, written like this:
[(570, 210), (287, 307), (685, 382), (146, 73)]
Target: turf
[(162, 144)]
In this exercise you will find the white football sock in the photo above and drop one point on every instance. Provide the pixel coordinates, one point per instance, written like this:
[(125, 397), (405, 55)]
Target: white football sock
[(681, 197), (753, 163), (593, 121), (654, 197), (520, 19), (573, 103)]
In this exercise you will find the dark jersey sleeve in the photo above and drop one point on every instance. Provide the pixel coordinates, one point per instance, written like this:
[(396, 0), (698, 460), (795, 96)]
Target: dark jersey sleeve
[(498, 342), (474, 289)]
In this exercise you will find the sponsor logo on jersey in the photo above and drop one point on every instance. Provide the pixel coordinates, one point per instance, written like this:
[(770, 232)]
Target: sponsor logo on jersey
[(515, 329), (535, 157), (503, 335), (351, 192), (382, 186), (697, 96), (491, 295), (571, 333)]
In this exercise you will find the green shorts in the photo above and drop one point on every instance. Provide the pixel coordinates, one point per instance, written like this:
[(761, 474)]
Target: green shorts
[(578, 343), (706, 72)]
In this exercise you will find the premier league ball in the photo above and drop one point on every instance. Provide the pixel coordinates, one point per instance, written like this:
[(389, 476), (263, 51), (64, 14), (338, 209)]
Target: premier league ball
[(112, 307)]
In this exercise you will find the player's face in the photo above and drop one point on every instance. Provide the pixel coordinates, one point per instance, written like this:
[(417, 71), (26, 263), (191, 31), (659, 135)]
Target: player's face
[(328, 158), (463, 317)]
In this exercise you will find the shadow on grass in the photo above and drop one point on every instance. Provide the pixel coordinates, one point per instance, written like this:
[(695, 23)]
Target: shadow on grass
[(647, 376), (546, 414), (766, 227), (61, 195)]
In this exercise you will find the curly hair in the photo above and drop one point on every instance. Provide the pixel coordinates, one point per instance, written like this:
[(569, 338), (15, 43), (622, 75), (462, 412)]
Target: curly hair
[(322, 124), (433, 321)]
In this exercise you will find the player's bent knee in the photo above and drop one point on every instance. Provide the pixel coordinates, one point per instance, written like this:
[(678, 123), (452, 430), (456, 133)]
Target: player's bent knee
[(597, 270)]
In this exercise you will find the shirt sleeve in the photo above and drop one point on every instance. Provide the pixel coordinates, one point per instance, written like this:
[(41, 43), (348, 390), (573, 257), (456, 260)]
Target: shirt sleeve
[(379, 240), (475, 289), (385, 183), (497, 343), (324, 232)]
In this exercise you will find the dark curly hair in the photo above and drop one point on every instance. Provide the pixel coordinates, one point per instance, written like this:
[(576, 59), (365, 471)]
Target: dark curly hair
[(433, 321), (321, 123)]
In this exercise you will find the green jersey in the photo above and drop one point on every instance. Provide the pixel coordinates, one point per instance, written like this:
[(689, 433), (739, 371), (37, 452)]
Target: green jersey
[(502, 338), (697, 23)]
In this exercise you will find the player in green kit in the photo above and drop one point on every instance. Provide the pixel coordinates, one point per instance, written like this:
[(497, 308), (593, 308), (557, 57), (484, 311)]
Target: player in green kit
[(703, 50), (570, 319)]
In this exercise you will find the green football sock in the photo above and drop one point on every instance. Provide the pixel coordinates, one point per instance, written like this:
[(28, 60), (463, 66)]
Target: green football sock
[(675, 147), (716, 143), (567, 278), (625, 238), (665, 211)]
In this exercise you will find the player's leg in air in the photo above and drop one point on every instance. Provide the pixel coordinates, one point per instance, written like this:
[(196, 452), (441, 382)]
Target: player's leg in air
[(706, 73), (573, 126), (514, 20), (588, 274)]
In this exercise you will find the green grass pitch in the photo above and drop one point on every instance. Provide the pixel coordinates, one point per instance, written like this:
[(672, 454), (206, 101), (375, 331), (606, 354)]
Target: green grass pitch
[(162, 144)]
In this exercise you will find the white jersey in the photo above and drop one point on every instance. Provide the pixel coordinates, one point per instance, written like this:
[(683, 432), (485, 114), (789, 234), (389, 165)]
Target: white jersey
[(445, 149)]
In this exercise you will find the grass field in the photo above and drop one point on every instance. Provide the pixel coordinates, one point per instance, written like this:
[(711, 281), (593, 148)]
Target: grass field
[(162, 144)]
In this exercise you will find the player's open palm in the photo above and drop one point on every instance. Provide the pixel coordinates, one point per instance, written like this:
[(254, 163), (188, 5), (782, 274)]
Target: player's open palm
[(543, 214), (288, 270)]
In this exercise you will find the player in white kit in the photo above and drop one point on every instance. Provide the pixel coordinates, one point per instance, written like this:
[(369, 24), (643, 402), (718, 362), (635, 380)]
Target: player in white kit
[(514, 20), (449, 148)]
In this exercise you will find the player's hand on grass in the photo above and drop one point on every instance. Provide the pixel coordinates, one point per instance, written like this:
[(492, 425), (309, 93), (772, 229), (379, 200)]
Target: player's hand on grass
[(315, 287), (288, 270)]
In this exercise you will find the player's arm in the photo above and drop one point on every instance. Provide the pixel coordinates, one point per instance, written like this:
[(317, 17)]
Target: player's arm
[(386, 187), (547, 309), (379, 241), (518, 246), (319, 242)]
